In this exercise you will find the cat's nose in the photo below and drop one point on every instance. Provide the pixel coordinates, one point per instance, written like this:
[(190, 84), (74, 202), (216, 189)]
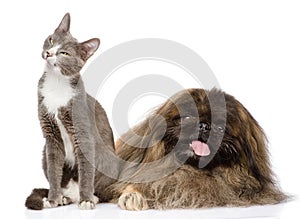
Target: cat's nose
[(48, 54)]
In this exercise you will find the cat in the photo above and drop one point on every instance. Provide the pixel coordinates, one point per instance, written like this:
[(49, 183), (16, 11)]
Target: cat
[(79, 139)]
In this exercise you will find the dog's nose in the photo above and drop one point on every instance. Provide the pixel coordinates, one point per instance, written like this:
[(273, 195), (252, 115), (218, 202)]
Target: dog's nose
[(204, 127)]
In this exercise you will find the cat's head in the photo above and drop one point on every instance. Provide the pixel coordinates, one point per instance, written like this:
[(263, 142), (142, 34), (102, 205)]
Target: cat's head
[(64, 53)]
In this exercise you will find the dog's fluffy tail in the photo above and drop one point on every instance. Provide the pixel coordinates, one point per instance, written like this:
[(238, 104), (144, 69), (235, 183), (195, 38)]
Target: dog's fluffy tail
[(35, 200)]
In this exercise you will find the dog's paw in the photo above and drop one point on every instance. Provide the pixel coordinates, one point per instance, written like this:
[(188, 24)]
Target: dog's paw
[(49, 203), (132, 201), (86, 205)]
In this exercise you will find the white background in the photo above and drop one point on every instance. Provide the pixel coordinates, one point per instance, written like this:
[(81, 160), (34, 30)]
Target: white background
[(253, 48)]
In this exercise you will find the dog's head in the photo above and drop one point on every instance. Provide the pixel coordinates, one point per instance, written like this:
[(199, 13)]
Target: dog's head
[(207, 129)]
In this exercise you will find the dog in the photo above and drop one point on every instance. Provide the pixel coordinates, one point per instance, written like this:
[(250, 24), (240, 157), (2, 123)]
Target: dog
[(201, 148)]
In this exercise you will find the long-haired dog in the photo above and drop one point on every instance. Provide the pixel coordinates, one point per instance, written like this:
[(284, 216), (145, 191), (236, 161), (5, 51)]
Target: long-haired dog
[(199, 149)]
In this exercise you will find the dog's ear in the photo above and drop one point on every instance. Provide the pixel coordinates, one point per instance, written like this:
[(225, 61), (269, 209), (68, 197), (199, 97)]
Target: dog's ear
[(254, 145), (151, 141)]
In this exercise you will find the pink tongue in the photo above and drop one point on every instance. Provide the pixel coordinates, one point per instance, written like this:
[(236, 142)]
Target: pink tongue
[(200, 148)]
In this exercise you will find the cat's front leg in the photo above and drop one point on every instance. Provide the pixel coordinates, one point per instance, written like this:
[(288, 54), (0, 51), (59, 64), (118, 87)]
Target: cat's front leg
[(55, 162), (79, 126), (86, 170)]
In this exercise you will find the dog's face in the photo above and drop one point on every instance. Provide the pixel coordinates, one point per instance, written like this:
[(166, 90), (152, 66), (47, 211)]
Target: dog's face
[(208, 136), (209, 130)]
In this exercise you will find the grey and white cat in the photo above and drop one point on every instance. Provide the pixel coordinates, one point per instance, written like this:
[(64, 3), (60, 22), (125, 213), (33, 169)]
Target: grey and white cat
[(79, 139)]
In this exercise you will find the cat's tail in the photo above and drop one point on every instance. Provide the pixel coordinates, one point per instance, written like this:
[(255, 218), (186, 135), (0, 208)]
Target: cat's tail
[(35, 200)]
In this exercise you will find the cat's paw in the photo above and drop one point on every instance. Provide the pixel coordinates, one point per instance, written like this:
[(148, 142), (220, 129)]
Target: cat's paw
[(133, 201), (86, 205), (49, 203), (66, 200)]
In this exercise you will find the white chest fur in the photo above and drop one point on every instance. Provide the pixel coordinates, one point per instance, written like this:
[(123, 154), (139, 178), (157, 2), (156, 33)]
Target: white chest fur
[(57, 92)]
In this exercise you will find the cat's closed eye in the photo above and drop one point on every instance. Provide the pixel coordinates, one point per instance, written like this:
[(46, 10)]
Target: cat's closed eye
[(65, 53)]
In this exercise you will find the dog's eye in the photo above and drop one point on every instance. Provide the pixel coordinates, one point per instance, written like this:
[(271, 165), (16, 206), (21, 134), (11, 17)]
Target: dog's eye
[(186, 117), (221, 129)]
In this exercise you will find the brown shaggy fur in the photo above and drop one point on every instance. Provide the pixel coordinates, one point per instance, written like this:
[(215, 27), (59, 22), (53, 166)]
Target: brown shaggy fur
[(159, 174)]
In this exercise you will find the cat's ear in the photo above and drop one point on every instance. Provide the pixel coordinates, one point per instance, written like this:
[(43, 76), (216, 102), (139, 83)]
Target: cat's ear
[(64, 25), (89, 47)]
